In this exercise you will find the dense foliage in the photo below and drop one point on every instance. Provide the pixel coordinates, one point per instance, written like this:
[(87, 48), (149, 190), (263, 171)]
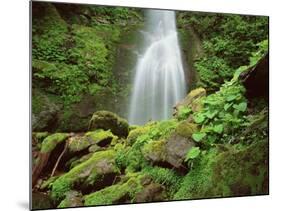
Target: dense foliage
[(228, 41), (74, 53)]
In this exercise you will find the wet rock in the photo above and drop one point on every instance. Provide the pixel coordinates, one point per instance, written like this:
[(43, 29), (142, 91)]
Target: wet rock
[(109, 121), (176, 149), (150, 193)]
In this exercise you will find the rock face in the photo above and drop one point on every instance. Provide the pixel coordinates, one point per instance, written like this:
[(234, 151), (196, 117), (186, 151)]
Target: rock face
[(109, 121)]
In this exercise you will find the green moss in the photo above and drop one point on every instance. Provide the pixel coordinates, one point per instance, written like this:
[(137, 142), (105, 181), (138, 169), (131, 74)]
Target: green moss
[(87, 172), (114, 193), (78, 143), (109, 121), (155, 150), (136, 132), (40, 136), (167, 177), (47, 184), (228, 172), (49, 33), (186, 129), (99, 135), (51, 141)]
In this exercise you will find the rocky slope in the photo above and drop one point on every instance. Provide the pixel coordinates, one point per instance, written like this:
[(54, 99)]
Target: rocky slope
[(215, 146)]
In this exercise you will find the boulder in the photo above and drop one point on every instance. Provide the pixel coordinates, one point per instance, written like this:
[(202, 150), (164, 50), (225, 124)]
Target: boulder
[(176, 149), (155, 151), (171, 151), (150, 193), (72, 199), (109, 121), (98, 137), (133, 188), (86, 175)]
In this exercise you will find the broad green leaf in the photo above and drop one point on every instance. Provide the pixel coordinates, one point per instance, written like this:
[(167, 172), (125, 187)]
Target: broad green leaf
[(210, 114), (241, 106), (227, 106), (192, 153), (218, 128), (198, 136), (231, 98), (199, 118)]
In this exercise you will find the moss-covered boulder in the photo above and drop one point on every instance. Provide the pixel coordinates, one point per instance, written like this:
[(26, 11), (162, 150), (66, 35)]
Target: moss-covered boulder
[(171, 151), (155, 151), (186, 129), (51, 141), (85, 174), (99, 137), (135, 187), (109, 121), (222, 172)]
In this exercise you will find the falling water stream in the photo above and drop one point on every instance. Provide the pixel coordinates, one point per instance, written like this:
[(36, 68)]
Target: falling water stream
[(159, 80)]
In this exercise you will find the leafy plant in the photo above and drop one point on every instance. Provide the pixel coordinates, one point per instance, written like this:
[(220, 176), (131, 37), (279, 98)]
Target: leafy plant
[(198, 136), (193, 153)]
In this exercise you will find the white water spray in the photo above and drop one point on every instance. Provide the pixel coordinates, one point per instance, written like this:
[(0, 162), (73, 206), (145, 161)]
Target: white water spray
[(159, 81)]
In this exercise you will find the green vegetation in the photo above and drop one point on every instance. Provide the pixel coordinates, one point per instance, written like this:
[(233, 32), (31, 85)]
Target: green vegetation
[(214, 145), (228, 42), (51, 141), (89, 171)]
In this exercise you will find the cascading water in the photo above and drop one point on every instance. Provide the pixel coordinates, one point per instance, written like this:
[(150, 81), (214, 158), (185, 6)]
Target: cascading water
[(159, 81)]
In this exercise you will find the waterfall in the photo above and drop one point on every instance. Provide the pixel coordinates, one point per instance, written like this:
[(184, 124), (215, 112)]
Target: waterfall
[(159, 81)]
